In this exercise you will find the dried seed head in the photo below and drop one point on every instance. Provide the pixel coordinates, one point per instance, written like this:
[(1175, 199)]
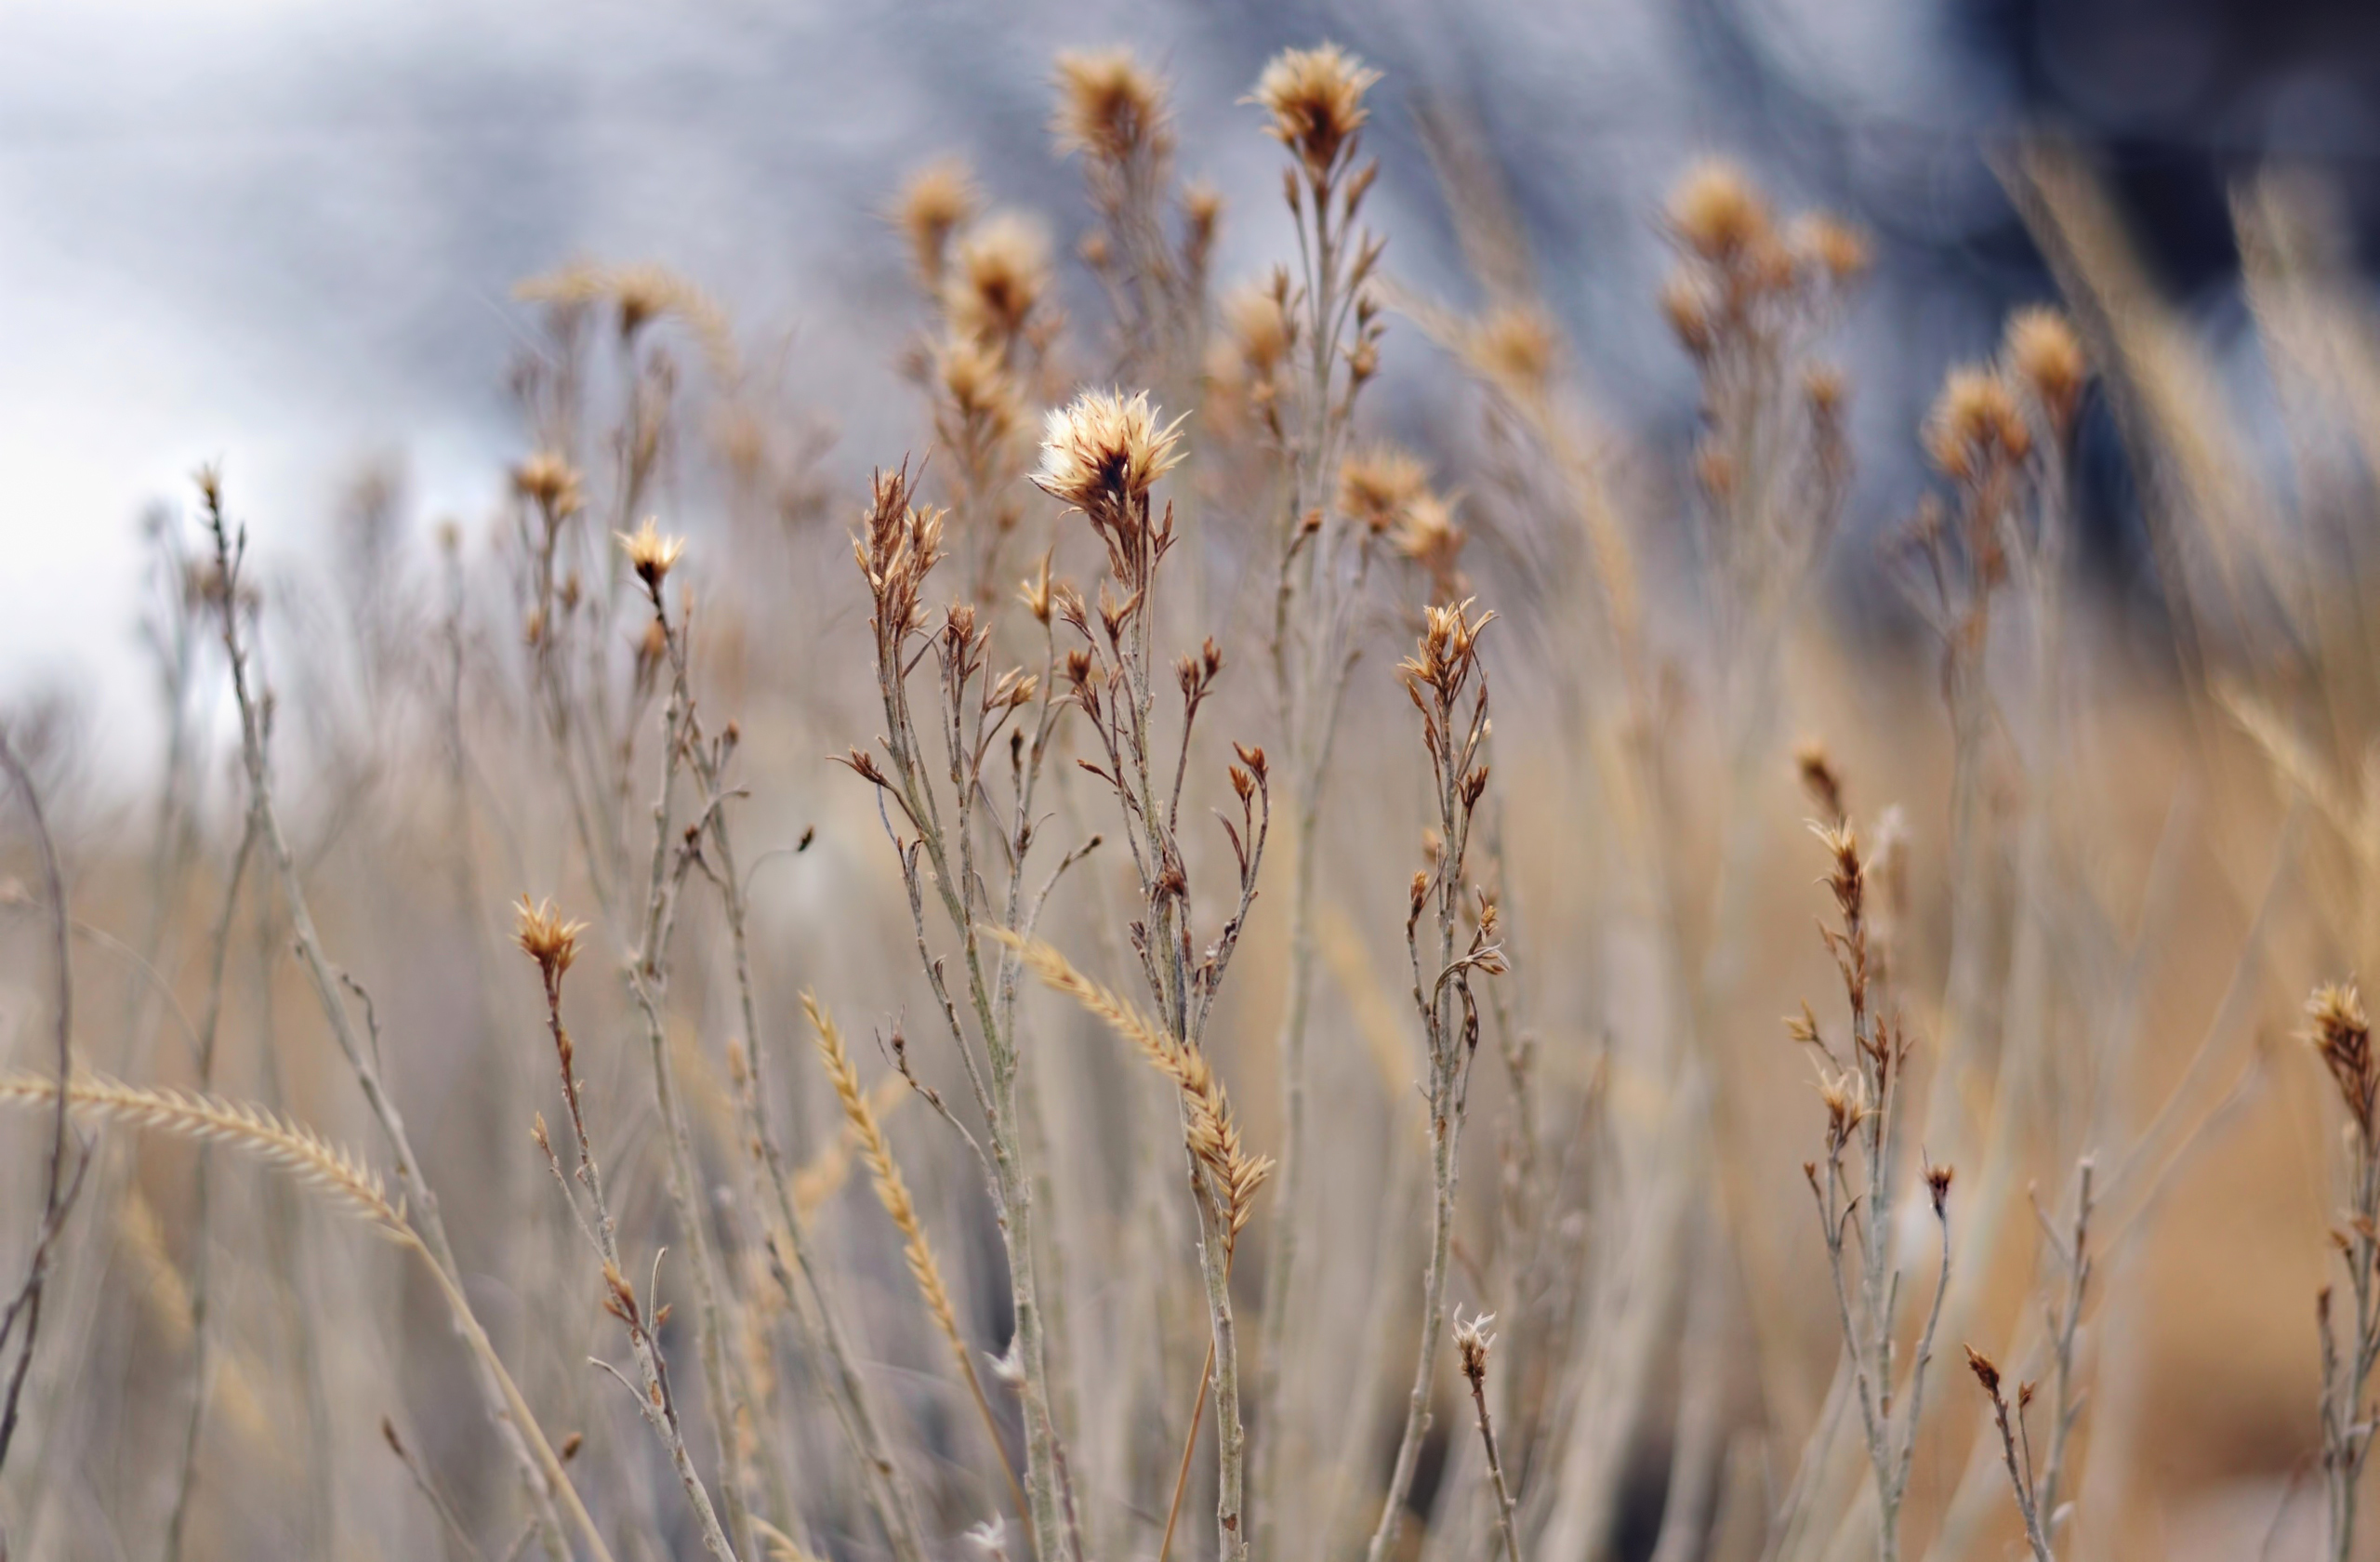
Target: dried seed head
[(1845, 1095), (1513, 348), (981, 389), (2042, 354), (936, 201), (1430, 536), (643, 294), (1316, 99), (1103, 449), (2343, 1038), (651, 555), (545, 938), (1687, 305), (1938, 1188), (548, 481), (1002, 273), (1258, 321), (1716, 213), (1109, 106), (1975, 425), (1831, 246), (1820, 779), (1471, 1342), (1377, 483)]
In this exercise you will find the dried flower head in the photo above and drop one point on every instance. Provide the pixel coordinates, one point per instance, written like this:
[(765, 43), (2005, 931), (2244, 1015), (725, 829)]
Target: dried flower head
[(1514, 347), (1716, 214), (1831, 246), (651, 555), (1257, 320), (545, 938), (1109, 106), (982, 391), (898, 544), (1377, 483), (1000, 276), (1471, 1342), (1976, 426), (549, 481), (2343, 1038), (1316, 99), (1429, 535), (2042, 355), (1102, 448), (936, 201)]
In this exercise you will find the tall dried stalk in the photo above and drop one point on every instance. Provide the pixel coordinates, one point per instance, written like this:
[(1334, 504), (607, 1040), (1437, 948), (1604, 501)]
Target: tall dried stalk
[(1443, 675), (939, 835), (1102, 455), (893, 1191), (1328, 348), (363, 1059), (2343, 1039), (1864, 1093)]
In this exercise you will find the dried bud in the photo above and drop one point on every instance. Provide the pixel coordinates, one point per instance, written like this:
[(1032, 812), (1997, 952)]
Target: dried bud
[(1316, 99)]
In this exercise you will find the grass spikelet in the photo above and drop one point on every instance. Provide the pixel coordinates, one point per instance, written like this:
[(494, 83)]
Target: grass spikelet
[(328, 1167)]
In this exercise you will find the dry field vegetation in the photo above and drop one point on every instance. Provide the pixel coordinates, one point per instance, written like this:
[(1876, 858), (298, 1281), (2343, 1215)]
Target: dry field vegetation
[(1040, 1012)]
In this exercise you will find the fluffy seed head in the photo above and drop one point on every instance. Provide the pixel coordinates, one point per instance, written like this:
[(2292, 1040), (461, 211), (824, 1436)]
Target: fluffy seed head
[(1514, 347), (1472, 1342), (2342, 1037), (1104, 448), (1832, 247), (549, 481), (2042, 354), (1002, 274), (981, 389), (1109, 106), (1975, 425), (1377, 483), (1316, 99), (1716, 213), (651, 555), (936, 201)]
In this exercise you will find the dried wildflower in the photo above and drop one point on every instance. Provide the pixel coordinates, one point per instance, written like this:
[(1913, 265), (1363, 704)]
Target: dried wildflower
[(1316, 99), (642, 293), (1514, 347), (897, 545), (1471, 1342), (545, 938), (1938, 1188), (982, 390), (1975, 425), (1687, 305), (1430, 536), (1109, 106), (1831, 246), (651, 555), (1256, 318), (2042, 355), (1103, 449), (1377, 483), (550, 481), (2342, 1037), (1000, 276), (936, 202), (1716, 213)]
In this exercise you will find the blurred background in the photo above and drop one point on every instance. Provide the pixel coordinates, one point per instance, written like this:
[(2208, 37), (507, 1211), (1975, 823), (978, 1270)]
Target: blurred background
[(285, 236)]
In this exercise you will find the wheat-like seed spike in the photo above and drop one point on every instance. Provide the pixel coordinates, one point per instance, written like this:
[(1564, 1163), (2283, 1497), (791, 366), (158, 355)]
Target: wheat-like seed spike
[(238, 1125), (892, 1189), (1214, 1137)]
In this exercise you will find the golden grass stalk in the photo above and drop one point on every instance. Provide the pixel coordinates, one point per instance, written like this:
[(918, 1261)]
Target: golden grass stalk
[(329, 1169), (893, 1192)]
